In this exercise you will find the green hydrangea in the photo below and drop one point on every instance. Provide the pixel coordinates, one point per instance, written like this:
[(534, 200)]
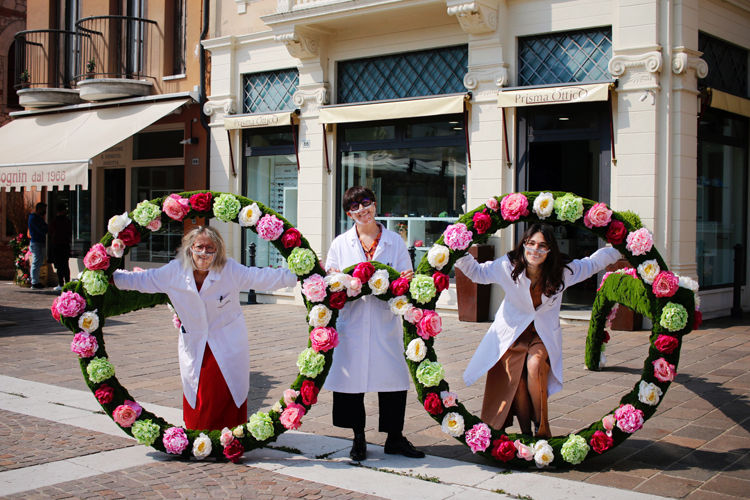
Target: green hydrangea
[(301, 261), (95, 282), (422, 288), (569, 207), (145, 212), (226, 207), (310, 363), (145, 431), (674, 317), (100, 369), (260, 426), (430, 373), (575, 449)]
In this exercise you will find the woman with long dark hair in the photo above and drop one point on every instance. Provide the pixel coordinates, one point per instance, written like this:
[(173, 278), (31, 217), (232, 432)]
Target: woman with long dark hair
[(522, 351)]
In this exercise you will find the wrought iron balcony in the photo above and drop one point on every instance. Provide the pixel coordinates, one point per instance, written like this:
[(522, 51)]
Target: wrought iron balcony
[(46, 59)]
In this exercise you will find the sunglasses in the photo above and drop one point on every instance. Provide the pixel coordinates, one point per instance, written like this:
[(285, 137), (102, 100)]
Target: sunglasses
[(358, 206)]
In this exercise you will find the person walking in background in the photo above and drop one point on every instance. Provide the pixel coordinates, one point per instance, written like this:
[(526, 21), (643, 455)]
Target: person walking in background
[(60, 230), (38, 235)]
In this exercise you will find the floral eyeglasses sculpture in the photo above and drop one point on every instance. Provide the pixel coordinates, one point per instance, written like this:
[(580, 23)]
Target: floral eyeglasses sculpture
[(670, 301)]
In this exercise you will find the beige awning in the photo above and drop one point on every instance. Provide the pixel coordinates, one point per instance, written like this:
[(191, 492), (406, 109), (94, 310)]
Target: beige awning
[(568, 94), (394, 109), (236, 122), (730, 103), (54, 149)]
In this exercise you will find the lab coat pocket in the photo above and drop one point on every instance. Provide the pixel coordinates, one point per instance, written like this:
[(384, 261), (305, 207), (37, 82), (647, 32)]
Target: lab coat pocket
[(229, 336)]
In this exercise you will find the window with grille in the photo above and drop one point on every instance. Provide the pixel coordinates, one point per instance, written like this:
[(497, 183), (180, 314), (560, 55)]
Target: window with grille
[(270, 91), (411, 74), (570, 57), (727, 65)]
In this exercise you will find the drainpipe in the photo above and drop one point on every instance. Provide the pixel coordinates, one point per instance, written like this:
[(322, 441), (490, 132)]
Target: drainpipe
[(202, 95)]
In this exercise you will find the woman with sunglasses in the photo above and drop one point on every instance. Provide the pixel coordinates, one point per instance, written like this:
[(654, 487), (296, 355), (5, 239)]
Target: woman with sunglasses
[(370, 355), (522, 351), (204, 288)]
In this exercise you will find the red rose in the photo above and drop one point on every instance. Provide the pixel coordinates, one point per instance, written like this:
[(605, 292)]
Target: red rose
[(130, 235), (503, 449), (55, 312), (338, 300), (616, 232), (201, 202), (291, 238), (309, 392), (442, 281), (234, 450), (666, 343), (482, 222), (606, 336), (433, 404), (364, 272), (697, 320), (400, 286), (601, 442), (104, 394)]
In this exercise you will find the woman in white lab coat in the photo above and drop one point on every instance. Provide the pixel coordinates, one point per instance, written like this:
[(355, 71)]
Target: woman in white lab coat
[(522, 351), (370, 355), (204, 286)]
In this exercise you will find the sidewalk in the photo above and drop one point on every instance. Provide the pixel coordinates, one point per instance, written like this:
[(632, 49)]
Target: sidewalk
[(695, 447)]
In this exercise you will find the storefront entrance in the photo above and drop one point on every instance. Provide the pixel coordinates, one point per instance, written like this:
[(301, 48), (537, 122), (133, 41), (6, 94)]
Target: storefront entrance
[(567, 148)]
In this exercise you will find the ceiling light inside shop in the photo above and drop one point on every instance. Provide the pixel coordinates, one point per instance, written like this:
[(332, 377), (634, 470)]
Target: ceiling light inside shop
[(563, 118), (453, 123)]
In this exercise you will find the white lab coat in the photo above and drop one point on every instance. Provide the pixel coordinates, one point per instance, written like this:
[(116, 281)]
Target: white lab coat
[(517, 312), (370, 355), (212, 315)]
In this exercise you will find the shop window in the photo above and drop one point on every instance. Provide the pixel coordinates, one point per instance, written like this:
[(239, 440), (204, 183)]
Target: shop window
[(722, 195), (150, 183), (270, 91), (727, 65), (158, 145), (411, 74), (569, 57), (78, 203)]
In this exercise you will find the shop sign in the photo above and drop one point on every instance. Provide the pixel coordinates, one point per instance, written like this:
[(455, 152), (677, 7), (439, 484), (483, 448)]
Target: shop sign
[(569, 94), (254, 121)]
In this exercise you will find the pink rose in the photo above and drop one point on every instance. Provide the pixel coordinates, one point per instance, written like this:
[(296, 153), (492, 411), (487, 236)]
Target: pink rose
[(309, 392), (442, 281), (96, 258), (449, 398), (175, 440), (457, 236), (84, 344), (234, 451), (270, 227), (337, 300), (413, 315), (201, 202), (290, 396), (504, 449), (616, 232), (314, 288), (364, 271), (482, 222), (432, 404), (176, 207), (104, 394), (124, 415), (665, 284), (598, 215), (354, 288), (629, 419), (601, 442), (514, 206), (70, 304), (292, 415), (609, 422), (154, 226), (55, 312), (292, 238), (666, 343), (116, 248), (639, 242), (399, 286), (418, 243), (525, 452), (478, 437), (663, 370), (176, 321), (324, 338), (430, 325), (130, 235), (492, 204), (226, 437)]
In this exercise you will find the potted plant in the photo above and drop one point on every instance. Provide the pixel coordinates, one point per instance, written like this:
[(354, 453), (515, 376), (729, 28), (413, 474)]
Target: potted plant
[(90, 68), (24, 78)]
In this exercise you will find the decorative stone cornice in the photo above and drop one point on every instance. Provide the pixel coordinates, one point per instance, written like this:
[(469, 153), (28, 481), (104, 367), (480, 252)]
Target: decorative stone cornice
[(300, 43), (241, 6), (688, 67), (476, 18), (221, 105), (485, 80), (637, 69), (311, 97)]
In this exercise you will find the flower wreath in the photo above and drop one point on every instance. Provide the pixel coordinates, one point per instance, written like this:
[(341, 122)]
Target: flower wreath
[(84, 305)]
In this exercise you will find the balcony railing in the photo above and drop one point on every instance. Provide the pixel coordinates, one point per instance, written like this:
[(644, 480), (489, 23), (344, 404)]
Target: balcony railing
[(46, 58), (117, 47)]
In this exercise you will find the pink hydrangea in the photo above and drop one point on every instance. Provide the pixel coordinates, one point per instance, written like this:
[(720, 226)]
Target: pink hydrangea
[(430, 324), (630, 271), (514, 206), (96, 258), (492, 204), (84, 344), (292, 415), (629, 419), (663, 370), (598, 215), (176, 207), (604, 278), (314, 288), (478, 437), (457, 236), (324, 338), (639, 242), (175, 440), (70, 304), (270, 227), (665, 284)]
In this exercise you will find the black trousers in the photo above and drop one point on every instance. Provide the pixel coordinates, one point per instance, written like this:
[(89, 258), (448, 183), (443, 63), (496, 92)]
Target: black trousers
[(349, 410), (59, 255)]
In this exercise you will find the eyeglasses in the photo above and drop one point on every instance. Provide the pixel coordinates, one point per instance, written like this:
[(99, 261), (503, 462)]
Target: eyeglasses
[(533, 246), (204, 250), (364, 203)]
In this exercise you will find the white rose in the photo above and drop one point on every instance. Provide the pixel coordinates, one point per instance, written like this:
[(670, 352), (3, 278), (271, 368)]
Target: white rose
[(89, 321), (249, 215), (453, 424), (118, 223), (543, 453), (379, 282), (649, 393), (543, 205), (337, 281), (320, 315), (438, 256), (648, 270), (689, 283), (202, 447), (353, 287), (226, 437), (116, 249), (416, 351), (276, 407), (399, 305), (239, 432)]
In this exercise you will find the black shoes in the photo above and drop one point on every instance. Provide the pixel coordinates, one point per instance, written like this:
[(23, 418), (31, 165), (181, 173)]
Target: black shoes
[(402, 446), (37, 286), (359, 447)]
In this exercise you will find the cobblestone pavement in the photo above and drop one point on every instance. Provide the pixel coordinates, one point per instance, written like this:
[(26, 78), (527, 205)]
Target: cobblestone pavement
[(696, 446)]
